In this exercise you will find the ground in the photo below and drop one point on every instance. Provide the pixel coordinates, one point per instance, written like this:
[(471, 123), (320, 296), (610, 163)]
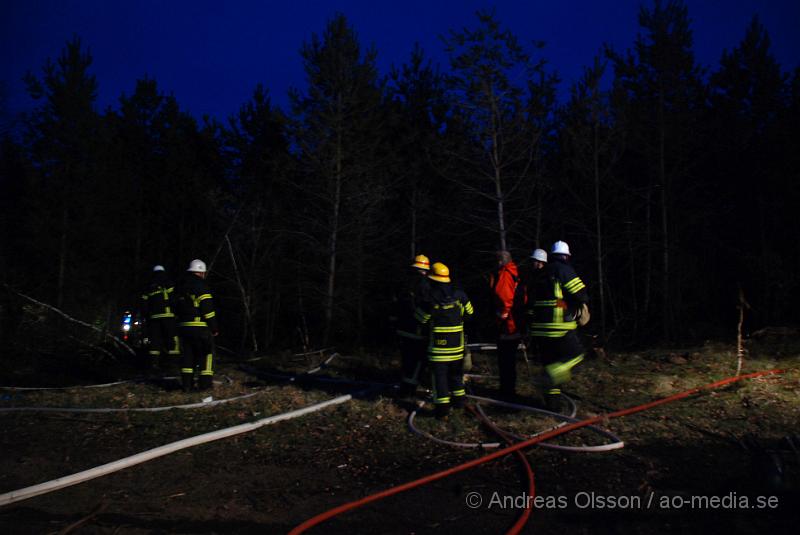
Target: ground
[(729, 445)]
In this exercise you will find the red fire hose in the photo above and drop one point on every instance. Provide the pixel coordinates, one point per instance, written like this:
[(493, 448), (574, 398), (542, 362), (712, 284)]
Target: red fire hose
[(526, 465), (322, 517)]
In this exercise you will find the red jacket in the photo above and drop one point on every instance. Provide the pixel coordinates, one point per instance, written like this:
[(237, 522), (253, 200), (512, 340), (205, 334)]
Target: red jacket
[(504, 286)]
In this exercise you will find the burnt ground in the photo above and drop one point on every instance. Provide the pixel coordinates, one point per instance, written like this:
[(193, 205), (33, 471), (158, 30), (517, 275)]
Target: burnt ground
[(271, 479)]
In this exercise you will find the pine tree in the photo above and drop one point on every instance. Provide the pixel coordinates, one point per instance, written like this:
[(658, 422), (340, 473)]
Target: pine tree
[(63, 136), (591, 144), (664, 102), (497, 91), (749, 96), (339, 138), (419, 115), (257, 155)]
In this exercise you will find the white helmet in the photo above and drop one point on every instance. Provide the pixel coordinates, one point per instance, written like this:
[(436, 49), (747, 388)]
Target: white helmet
[(539, 254), (197, 266), (159, 267), (560, 247)]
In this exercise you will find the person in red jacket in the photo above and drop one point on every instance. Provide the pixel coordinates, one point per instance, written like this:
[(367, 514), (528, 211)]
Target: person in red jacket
[(504, 285)]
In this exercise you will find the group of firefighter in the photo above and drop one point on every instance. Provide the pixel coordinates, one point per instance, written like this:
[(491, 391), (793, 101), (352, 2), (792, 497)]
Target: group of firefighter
[(540, 309), (181, 324)]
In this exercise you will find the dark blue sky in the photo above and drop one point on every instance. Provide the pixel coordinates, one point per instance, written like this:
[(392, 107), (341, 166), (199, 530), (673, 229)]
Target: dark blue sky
[(211, 54)]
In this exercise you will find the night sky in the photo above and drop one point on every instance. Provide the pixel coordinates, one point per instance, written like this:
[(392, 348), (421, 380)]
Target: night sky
[(211, 54)]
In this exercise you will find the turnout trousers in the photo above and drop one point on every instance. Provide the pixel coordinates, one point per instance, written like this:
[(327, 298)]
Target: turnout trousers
[(198, 357), (163, 336), (413, 355), (448, 384), (507, 363), (559, 355)]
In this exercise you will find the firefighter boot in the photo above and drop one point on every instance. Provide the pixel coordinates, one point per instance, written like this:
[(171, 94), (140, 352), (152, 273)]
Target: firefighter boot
[(554, 401), (187, 380), (206, 382), (442, 411)]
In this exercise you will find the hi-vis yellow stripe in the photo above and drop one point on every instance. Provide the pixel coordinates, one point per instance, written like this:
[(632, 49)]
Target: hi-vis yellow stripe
[(163, 291), (575, 285), (446, 350), (559, 372), (203, 297), (456, 329), (468, 308), (421, 316), (548, 334), (561, 325), (445, 358), (207, 370)]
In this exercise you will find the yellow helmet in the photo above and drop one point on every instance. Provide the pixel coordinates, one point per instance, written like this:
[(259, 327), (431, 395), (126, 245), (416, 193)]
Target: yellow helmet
[(441, 273), (421, 262)]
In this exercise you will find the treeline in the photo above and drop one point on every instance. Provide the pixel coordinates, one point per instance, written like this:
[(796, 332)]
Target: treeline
[(673, 185)]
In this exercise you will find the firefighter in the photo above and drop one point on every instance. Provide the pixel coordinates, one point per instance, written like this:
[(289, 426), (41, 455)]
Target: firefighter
[(555, 300), (504, 288), (444, 312), (412, 335), (198, 325), (158, 311), (538, 260)]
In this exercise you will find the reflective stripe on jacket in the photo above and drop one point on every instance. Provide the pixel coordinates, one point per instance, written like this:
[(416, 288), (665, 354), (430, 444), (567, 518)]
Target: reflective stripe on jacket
[(553, 300), (195, 304), (445, 314)]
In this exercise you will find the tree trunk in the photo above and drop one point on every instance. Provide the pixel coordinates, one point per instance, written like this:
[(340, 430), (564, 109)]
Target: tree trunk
[(537, 240), (648, 269), (62, 256), (137, 249), (498, 184), (360, 286), (599, 231), (634, 293), (666, 301), (413, 220), (332, 239), (501, 224)]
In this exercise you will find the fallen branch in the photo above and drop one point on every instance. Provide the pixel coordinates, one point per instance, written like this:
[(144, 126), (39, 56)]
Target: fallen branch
[(98, 348), (324, 349), (64, 315), (75, 525)]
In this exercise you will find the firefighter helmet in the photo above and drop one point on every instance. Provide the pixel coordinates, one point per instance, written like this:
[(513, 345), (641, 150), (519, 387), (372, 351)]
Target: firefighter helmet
[(560, 247), (421, 262), (540, 255), (441, 273), (197, 266), (159, 267)]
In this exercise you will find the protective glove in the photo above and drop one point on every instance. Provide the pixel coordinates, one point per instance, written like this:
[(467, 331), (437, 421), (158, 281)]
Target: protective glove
[(582, 315)]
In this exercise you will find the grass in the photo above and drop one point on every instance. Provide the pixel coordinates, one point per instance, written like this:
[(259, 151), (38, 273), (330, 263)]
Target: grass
[(314, 462)]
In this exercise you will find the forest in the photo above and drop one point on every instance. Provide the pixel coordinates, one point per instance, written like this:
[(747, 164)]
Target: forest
[(674, 184)]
